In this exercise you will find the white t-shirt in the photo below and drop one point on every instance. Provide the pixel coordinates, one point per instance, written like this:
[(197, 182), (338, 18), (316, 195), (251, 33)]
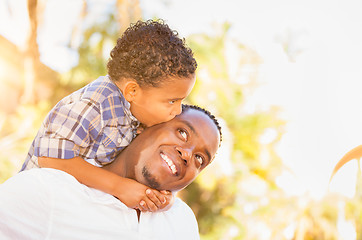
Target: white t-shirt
[(51, 204)]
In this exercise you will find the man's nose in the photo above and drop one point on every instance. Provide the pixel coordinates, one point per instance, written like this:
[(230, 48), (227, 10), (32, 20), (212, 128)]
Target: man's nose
[(185, 153)]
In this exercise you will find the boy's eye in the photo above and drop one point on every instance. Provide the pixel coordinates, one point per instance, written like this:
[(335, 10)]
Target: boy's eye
[(171, 102), (183, 134)]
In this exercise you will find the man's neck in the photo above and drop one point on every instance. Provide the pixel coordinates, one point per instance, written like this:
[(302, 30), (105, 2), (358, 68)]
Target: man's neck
[(118, 166)]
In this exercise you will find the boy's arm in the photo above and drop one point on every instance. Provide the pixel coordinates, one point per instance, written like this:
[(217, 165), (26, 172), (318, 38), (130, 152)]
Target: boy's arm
[(129, 191)]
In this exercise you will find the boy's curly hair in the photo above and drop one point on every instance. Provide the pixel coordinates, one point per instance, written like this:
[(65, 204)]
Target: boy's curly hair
[(148, 52)]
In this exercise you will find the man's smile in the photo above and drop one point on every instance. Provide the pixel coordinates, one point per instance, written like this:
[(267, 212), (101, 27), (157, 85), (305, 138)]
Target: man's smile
[(173, 153), (170, 163)]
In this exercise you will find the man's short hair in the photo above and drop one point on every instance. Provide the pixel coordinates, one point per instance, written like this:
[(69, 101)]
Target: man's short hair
[(211, 116)]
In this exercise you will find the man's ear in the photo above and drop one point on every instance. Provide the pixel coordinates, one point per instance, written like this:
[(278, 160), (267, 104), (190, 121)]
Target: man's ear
[(130, 90)]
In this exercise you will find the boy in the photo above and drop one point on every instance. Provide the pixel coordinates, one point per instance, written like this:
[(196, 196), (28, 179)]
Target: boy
[(150, 72)]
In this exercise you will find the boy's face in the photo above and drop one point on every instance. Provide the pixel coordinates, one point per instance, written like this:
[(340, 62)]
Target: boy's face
[(153, 105), (170, 155)]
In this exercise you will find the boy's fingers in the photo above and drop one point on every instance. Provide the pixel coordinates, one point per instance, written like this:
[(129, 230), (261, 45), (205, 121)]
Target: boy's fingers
[(151, 206), (166, 192), (168, 197), (142, 206), (138, 207), (162, 197), (155, 197)]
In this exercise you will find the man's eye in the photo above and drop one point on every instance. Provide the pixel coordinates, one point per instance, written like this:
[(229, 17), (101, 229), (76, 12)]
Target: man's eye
[(171, 102), (200, 160), (183, 134)]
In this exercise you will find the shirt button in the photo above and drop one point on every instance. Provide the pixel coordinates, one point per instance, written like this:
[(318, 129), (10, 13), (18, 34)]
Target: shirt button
[(34, 158), (119, 140)]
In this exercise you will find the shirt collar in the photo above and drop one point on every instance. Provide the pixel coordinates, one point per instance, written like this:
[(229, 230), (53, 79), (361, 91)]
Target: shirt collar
[(127, 108), (125, 104)]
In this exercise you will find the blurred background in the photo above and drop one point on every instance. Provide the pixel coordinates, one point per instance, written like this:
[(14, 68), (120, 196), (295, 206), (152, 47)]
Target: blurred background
[(283, 76)]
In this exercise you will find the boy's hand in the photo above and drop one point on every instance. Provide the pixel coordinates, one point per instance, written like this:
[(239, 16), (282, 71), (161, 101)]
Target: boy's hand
[(163, 200), (130, 192), (136, 195)]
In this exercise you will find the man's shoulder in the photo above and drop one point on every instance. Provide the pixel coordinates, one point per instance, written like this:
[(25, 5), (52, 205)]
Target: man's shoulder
[(59, 183), (46, 175), (178, 222), (37, 183), (180, 207), (180, 204)]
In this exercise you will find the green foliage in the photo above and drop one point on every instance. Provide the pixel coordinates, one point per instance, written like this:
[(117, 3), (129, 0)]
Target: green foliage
[(17, 132), (242, 203), (354, 207), (218, 207), (7, 170), (211, 215), (246, 203), (98, 40)]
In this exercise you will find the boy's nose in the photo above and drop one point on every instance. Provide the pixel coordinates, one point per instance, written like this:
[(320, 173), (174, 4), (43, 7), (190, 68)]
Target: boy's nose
[(177, 110)]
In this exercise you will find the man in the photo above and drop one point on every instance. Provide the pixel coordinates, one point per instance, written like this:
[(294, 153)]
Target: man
[(50, 204)]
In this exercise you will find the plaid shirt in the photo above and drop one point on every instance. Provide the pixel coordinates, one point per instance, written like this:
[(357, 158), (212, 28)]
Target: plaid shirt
[(94, 122)]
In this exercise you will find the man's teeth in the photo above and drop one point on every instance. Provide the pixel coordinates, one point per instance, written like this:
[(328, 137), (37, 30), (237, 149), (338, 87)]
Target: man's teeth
[(169, 163)]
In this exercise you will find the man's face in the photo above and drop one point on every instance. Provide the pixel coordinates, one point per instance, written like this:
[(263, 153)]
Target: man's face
[(175, 152)]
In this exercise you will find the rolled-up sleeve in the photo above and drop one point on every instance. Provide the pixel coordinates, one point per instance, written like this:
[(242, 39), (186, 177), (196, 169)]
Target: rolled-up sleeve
[(68, 128)]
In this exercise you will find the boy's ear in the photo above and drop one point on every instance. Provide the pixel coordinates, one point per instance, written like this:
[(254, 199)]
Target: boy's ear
[(130, 90)]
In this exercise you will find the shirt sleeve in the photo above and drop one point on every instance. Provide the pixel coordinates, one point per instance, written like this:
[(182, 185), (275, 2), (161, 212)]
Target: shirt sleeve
[(69, 127), (22, 210)]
